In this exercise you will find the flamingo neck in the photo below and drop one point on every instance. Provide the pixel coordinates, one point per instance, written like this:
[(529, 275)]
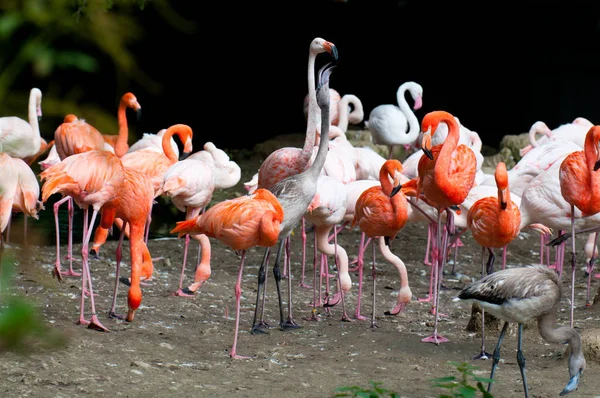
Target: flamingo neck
[(442, 165), (317, 165), (411, 118), (167, 147), (34, 111), (121, 145), (311, 120)]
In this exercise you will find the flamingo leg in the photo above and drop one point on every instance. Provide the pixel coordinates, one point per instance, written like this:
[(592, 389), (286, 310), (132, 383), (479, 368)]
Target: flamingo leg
[(590, 270), (441, 255), (357, 314), (314, 312), (483, 354), (259, 326), (573, 265), (521, 359), (119, 257), (303, 234), (238, 296), (496, 357), (374, 275)]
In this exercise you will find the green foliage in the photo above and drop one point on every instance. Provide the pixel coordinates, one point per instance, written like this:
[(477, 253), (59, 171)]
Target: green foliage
[(462, 386), (374, 391), (22, 328)]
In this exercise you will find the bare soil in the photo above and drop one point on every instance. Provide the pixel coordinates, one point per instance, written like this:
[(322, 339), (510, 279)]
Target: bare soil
[(179, 346)]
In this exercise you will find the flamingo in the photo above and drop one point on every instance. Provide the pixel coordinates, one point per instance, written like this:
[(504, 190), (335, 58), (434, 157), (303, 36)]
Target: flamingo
[(91, 178), (132, 205), (154, 165), (326, 210), (580, 187), (19, 192), (381, 211), (351, 111), (574, 132), (388, 122), (153, 141), (288, 161), (20, 138), (519, 295), (71, 137), (240, 223), (494, 222), (295, 193), (227, 172), (334, 98), (190, 184), (445, 176), (119, 142)]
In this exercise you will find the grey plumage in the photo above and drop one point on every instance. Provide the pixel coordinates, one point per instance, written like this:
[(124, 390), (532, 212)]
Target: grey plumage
[(519, 295), (295, 193)]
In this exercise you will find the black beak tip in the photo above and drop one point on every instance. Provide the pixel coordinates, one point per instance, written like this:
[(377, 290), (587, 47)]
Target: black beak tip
[(138, 113), (597, 165), (184, 155), (395, 190), (428, 153)]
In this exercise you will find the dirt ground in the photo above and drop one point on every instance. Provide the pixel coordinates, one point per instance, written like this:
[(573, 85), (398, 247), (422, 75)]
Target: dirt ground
[(180, 346)]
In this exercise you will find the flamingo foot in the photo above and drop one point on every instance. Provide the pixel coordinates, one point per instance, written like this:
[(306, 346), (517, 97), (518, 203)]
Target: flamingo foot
[(433, 311), (360, 317), (426, 299), (96, 325), (82, 321), (435, 338), (596, 275), (127, 282), (482, 355), (260, 327), (332, 300), (374, 325), (346, 318), (313, 316), (57, 274), (289, 324), (236, 356), (304, 285), (70, 273), (114, 315), (396, 310), (86, 293), (94, 254)]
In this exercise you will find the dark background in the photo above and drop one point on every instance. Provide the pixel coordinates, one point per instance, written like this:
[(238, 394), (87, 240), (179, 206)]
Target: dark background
[(240, 77)]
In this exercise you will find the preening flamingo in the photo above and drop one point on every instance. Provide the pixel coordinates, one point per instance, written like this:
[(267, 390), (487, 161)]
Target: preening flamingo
[(380, 213), (227, 172), (326, 210), (446, 174), (20, 138), (295, 193), (574, 131), (519, 295), (91, 178), (240, 223), (351, 111), (190, 184), (494, 222), (19, 192), (388, 123)]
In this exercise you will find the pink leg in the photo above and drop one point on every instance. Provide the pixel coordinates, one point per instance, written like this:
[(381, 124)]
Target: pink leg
[(238, 295), (302, 284), (374, 275), (357, 314), (442, 243), (119, 257), (429, 240), (316, 300), (433, 269), (186, 245), (590, 269), (504, 250), (57, 272)]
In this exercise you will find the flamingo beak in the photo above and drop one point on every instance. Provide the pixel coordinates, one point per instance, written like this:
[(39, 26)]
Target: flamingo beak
[(138, 114), (597, 165), (572, 384), (426, 143), (396, 189)]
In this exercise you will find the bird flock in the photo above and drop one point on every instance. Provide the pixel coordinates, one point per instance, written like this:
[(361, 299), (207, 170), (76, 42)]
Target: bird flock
[(329, 184)]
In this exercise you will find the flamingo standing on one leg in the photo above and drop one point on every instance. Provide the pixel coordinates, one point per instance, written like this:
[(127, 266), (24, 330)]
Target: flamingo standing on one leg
[(381, 212), (240, 223), (446, 174), (494, 223)]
